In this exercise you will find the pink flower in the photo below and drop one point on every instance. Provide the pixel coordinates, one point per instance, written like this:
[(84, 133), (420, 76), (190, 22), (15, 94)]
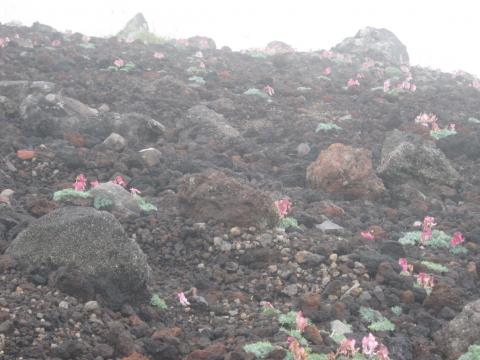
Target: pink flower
[(80, 183), (266, 304), (297, 351), (369, 343), (135, 191), (158, 55), (413, 88), (183, 300), (451, 127), (425, 281), (475, 84), (428, 223), (269, 90), (301, 322), (94, 183), (404, 264), (367, 235), (56, 43), (4, 42), (360, 76), (457, 238), (327, 54), (386, 85), (284, 206), (347, 347), (382, 352), (119, 181), (351, 83), (119, 63), (327, 71)]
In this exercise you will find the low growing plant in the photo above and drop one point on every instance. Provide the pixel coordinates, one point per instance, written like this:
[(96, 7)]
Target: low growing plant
[(327, 127), (260, 349), (473, 353), (397, 310), (158, 302), (377, 321), (66, 193), (434, 266)]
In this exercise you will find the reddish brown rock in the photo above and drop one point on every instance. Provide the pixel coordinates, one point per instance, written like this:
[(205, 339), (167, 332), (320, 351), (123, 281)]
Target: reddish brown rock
[(212, 195), (313, 335), (212, 352), (346, 170), (444, 295)]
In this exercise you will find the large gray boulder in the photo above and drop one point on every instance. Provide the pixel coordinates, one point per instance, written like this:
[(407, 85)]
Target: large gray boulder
[(204, 125), (135, 26), (407, 157), (93, 251), (379, 44), (464, 330)]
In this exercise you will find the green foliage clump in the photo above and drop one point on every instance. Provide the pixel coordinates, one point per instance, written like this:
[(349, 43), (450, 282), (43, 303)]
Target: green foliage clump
[(158, 302), (145, 206), (260, 349), (342, 329), (439, 134), (410, 238), (473, 353), (303, 89), (126, 68), (66, 193), (255, 92), (270, 311), (101, 202), (391, 71), (289, 319), (87, 45), (197, 79), (327, 127), (397, 310), (434, 266), (377, 321), (287, 222), (439, 240), (196, 70)]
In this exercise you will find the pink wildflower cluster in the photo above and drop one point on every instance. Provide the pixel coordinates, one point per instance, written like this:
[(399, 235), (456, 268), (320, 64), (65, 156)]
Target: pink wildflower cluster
[(269, 90), (352, 83), (301, 322), (370, 347), (327, 71), (426, 234), (368, 235), (4, 42), (80, 184), (406, 267), (425, 281), (298, 352), (56, 43), (119, 63), (158, 55), (284, 206), (430, 121), (457, 239), (183, 299), (475, 84)]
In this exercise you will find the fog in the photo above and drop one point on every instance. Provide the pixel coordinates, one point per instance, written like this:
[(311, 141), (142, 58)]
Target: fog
[(437, 34)]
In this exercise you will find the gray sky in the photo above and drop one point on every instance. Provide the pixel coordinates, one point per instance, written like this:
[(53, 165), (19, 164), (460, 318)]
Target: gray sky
[(440, 34)]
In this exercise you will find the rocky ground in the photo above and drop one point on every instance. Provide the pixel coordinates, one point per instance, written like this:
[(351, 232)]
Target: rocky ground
[(213, 138)]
